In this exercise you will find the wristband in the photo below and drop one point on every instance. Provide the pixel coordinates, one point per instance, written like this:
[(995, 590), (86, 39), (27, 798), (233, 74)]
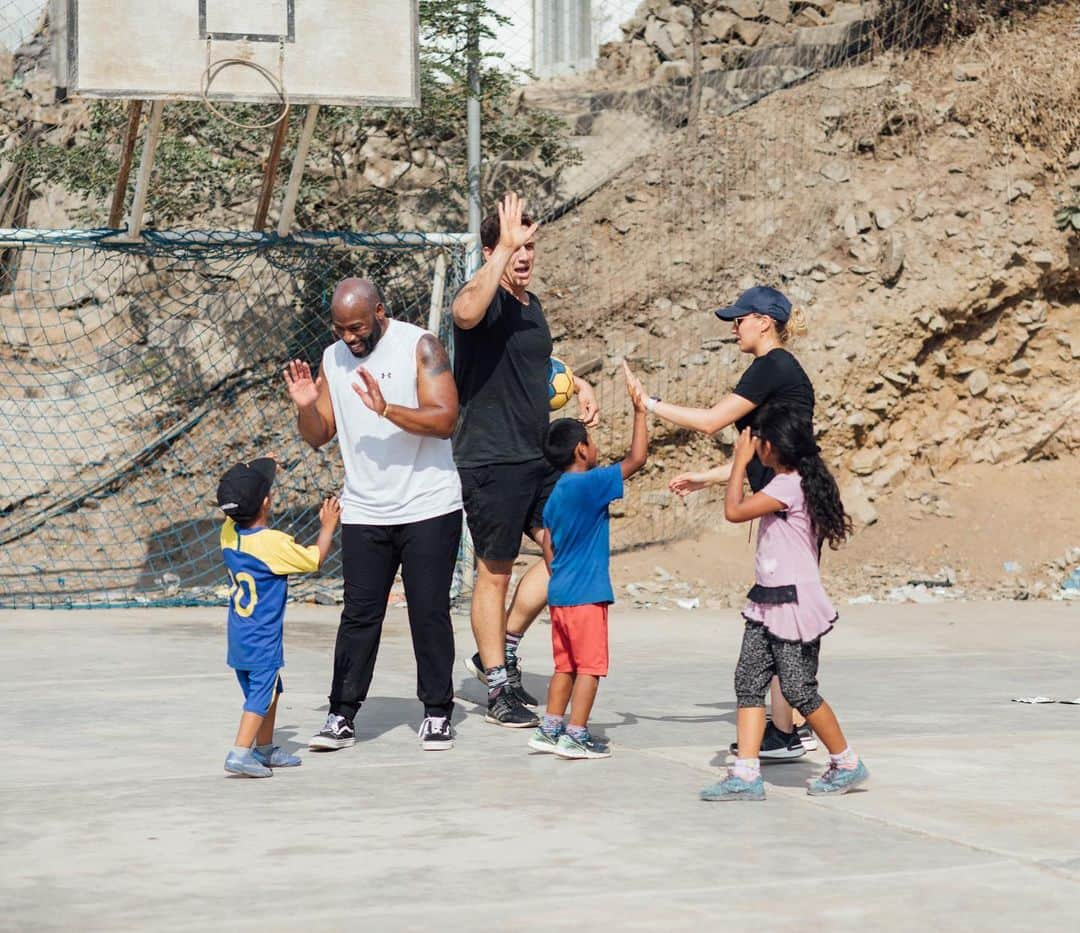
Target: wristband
[(651, 402), (386, 408)]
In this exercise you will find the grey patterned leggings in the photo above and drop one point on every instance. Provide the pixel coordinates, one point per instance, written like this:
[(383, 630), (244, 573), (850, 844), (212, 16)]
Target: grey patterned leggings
[(763, 657)]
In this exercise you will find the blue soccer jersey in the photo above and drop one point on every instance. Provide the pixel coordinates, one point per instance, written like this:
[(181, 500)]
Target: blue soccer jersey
[(259, 561), (576, 515)]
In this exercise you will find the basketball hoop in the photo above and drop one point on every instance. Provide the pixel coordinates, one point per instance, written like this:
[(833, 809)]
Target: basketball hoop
[(213, 69)]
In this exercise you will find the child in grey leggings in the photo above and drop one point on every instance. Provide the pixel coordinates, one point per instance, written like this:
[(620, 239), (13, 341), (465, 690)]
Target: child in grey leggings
[(788, 611)]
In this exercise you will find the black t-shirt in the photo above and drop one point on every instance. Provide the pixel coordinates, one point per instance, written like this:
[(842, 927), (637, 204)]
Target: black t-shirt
[(775, 377), (501, 370)]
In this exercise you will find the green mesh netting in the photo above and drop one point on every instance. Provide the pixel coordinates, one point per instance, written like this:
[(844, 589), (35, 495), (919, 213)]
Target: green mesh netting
[(134, 374)]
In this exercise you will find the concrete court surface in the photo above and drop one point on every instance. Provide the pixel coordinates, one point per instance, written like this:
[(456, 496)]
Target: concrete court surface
[(115, 813)]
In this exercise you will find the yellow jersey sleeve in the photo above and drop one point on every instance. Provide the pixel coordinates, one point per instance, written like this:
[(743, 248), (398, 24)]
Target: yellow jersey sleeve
[(281, 553), (229, 537)]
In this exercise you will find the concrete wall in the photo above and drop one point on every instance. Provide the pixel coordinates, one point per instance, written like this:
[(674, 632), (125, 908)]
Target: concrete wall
[(18, 20)]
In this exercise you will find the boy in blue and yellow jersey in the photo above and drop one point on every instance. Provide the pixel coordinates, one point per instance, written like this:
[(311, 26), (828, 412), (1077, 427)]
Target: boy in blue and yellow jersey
[(259, 561)]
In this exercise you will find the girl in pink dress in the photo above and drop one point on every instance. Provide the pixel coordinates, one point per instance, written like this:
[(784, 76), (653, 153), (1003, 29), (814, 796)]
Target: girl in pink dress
[(788, 610)]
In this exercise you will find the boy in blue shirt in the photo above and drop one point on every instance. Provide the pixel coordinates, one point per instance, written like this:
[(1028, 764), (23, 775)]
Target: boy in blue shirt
[(577, 551), (259, 561)]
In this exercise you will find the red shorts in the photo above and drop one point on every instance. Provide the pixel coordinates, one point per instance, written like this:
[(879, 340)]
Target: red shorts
[(579, 639)]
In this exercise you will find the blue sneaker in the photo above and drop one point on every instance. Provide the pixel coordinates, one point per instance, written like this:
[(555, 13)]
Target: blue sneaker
[(278, 758), (585, 747), (247, 765), (542, 741), (837, 780), (734, 788)]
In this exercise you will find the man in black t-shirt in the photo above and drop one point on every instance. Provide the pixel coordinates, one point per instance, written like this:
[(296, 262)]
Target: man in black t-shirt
[(502, 346)]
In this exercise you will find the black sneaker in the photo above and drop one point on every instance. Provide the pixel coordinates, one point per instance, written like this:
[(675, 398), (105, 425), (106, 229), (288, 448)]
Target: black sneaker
[(436, 734), (476, 667), (776, 745), (513, 681), (807, 737), (337, 732), (507, 710)]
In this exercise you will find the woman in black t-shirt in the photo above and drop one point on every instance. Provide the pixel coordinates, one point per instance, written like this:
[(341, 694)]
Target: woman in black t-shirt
[(763, 322)]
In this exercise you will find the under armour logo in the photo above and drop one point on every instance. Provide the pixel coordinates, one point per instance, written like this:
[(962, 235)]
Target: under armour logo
[(385, 375)]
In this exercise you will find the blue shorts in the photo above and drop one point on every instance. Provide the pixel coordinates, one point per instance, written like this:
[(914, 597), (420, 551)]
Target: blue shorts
[(258, 687)]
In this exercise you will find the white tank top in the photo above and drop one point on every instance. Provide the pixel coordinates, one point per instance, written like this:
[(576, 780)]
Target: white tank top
[(391, 476)]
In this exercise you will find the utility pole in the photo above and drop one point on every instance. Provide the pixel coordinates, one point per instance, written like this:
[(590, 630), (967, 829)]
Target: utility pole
[(473, 116)]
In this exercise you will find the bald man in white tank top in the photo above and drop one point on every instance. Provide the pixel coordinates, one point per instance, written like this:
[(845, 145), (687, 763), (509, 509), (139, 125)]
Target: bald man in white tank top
[(386, 391)]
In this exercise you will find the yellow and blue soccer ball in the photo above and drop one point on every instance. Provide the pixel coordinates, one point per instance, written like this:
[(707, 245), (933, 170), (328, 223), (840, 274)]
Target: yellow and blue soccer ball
[(560, 384)]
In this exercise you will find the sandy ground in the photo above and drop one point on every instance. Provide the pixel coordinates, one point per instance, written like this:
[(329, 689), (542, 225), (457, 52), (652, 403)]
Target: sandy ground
[(116, 815)]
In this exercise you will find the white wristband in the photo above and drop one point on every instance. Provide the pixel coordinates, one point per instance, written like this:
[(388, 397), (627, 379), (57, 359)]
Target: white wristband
[(651, 402)]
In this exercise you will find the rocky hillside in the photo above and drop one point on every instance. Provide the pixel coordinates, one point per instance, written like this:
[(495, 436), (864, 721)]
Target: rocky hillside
[(908, 204)]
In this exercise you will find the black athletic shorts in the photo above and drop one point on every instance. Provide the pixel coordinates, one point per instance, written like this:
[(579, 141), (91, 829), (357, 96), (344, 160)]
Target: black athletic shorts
[(504, 501)]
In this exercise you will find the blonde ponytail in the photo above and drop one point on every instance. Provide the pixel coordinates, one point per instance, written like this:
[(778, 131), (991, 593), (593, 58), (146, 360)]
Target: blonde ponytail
[(795, 327)]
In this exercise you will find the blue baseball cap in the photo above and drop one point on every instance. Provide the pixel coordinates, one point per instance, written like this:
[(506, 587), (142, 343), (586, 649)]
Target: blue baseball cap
[(758, 300)]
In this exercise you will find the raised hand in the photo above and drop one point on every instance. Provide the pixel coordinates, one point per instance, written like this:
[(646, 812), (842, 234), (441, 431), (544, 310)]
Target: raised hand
[(303, 390), (588, 406), (369, 392), (634, 388), (744, 447), (330, 512), (512, 234)]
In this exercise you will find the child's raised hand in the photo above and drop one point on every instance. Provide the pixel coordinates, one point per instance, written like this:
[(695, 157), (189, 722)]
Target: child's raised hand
[(330, 512), (634, 388), (744, 447)]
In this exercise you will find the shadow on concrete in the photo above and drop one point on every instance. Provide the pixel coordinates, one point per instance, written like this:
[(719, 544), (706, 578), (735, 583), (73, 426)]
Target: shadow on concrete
[(470, 690)]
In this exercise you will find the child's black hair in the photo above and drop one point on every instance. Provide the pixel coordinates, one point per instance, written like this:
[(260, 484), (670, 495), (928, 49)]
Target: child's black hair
[(562, 439), (792, 437)]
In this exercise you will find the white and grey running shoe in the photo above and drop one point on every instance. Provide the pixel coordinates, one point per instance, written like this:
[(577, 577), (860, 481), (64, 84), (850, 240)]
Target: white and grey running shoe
[(587, 747), (436, 734), (337, 732)]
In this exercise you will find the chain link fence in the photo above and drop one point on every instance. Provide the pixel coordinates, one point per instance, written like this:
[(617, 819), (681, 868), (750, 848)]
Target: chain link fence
[(676, 152)]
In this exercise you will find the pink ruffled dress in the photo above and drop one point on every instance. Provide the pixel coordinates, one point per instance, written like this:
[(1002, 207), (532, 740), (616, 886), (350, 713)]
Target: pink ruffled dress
[(788, 598)]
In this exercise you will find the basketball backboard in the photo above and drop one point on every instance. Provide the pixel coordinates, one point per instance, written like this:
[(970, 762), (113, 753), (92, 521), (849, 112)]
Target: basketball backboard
[(353, 52)]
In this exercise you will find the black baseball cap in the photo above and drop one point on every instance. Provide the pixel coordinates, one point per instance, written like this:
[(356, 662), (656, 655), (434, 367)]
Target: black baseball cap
[(241, 490), (758, 300)]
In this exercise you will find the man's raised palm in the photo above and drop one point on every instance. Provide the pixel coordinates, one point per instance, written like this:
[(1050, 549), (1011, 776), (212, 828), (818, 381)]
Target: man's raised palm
[(303, 390)]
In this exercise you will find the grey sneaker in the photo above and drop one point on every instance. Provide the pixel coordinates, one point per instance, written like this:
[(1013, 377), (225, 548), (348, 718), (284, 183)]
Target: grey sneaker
[(734, 788), (247, 765), (837, 780), (436, 734), (542, 741), (507, 710), (278, 758), (513, 681), (337, 732), (586, 747)]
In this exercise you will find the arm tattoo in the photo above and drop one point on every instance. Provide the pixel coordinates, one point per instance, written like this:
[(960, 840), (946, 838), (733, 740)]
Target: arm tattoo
[(433, 356)]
